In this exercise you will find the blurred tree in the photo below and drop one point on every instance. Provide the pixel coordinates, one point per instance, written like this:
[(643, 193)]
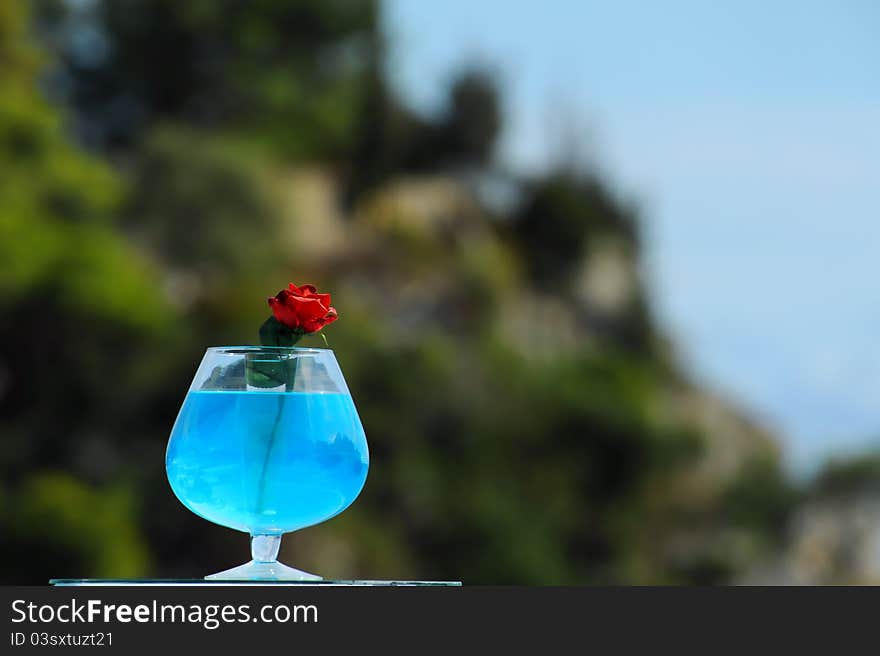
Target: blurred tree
[(198, 204), (473, 123), (564, 220), (391, 139), (560, 216), (384, 134), (848, 476), (77, 302), (267, 66)]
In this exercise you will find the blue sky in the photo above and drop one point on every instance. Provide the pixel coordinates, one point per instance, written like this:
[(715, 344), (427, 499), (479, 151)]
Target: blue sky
[(749, 134)]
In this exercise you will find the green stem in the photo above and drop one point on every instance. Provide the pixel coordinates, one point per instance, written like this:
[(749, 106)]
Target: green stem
[(268, 455), (289, 367), (268, 374)]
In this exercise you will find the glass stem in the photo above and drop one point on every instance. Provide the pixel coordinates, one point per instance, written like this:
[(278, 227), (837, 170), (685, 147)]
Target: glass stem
[(264, 548)]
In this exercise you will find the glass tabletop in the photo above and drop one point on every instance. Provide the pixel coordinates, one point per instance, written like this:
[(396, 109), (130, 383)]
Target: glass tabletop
[(197, 582)]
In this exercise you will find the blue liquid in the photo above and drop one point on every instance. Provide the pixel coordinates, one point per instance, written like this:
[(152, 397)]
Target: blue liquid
[(267, 462)]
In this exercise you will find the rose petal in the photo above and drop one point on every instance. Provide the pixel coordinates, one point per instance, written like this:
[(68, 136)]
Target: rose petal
[(302, 308), (286, 314), (306, 308), (324, 298)]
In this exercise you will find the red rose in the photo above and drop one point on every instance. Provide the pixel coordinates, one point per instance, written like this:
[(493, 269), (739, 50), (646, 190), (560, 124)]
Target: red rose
[(302, 309)]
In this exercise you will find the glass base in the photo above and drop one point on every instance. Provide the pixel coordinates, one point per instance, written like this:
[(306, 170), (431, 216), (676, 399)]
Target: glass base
[(263, 571)]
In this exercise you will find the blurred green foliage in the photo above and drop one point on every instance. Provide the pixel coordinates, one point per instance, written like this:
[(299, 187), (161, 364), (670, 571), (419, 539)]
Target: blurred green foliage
[(61, 520), (524, 427), (261, 66), (76, 299), (187, 168)]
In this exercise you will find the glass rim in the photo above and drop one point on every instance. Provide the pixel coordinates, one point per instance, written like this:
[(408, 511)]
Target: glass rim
[(252, 348)]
